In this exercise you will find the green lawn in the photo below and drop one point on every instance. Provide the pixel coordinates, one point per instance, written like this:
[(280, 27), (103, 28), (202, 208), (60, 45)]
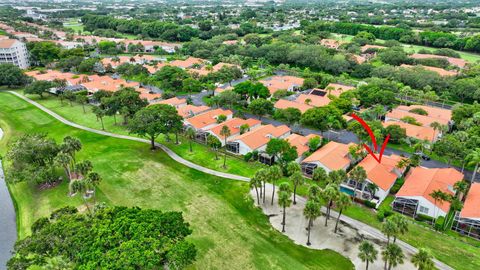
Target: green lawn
[(201, 154), (454, 250), (228, 231)]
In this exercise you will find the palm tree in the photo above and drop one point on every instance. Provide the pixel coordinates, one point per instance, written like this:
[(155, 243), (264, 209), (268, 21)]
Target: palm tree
[(359, 175), (311, 212), (100, 113), (319, 175), (402, 225), (342, 202), (474, 159), (275, 173), (255, 182), (293, 167), (437, 196), (94, 179), (423, 260), (190, 134), (297, 179), (284, 199), (436, 126), (70, 146), (330, 193), (263, 176), (367, 253), (389, 228), (392, 255), (314, 193), (460, 188), (225, 133), (214, 144), (83, 168), (64, 161)]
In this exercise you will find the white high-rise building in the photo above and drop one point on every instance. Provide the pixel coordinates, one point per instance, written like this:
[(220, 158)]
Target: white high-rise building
[(14, 52)]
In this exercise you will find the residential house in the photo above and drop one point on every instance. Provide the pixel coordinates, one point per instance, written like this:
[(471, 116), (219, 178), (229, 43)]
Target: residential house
[(234, 125), (440, 71), (190, 62), (467, 221), (380, 175), (175, 102), (319, 97), (300, 143), (458, 62), (191, 110), (206, 120), (331, 43), (284, 104), (331, 157), (256, 139), (289, 83), (414, 197), (414, 131)]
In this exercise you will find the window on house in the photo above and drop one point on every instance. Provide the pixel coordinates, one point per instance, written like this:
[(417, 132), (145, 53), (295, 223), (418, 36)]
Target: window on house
[(423, 210)]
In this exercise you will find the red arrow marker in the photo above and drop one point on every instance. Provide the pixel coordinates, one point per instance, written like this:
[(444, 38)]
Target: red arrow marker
[(372, 137)]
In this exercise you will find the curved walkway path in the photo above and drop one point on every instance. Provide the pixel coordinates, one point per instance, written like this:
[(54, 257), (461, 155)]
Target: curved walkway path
[(167, 150), (354, 223)]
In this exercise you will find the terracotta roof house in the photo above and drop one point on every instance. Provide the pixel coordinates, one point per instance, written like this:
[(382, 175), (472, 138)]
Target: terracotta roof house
[(435, 112), (221, 89), (359, 59), (50, 75), (234, 125), (365, 48), (319, 97), (453, 61), (467, 221), (414, 197), (256, 139), (289, 83), (284, 104), (440, 71), (414, 131), (397, 114), (301, 143), (175, 102), (191, 110), (187, 63), (146, 94), (207, 120), (383, 175), (331, 43), (107, 83), (331, 157), (154, 68)]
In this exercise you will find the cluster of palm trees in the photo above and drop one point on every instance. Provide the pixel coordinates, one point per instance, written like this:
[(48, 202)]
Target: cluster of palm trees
[(80, 175), (455, 201), (212, 141), (392, 254)]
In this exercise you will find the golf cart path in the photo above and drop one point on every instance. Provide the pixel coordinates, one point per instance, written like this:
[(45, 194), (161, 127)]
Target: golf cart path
[(167, 150), (352, 222)]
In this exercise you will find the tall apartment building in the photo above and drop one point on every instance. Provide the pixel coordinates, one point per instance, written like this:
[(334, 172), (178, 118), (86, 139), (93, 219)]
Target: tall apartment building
[(14, 52)]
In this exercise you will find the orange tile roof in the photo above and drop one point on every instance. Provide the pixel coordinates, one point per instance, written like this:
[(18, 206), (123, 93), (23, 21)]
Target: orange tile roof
[(276, 83), (315, 101), (434, 112), (300, 142), (331, 43), (422, 181), (284, 104), (175, 102), (418, 132), (207, 118), (440, 71), (338, 88), (359, 59), (454, 61), (234, 126), (260, 136), (218, 66), (219, 90), (191, 110), (145, 94), (366, 47), (51, 75), (333, 155), (382, 174), (7, 43), (471, 207), (189, 62), (107, 83), (422, 119)]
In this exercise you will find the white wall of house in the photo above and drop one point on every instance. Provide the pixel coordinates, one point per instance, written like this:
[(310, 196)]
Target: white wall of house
[(425, 207)]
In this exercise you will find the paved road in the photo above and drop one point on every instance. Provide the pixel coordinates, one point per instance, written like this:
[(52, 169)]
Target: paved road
[(357, 224), (8, 224), (167, 150)]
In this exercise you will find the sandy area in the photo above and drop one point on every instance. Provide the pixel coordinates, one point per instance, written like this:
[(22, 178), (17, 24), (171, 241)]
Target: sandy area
[(345, 241)]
